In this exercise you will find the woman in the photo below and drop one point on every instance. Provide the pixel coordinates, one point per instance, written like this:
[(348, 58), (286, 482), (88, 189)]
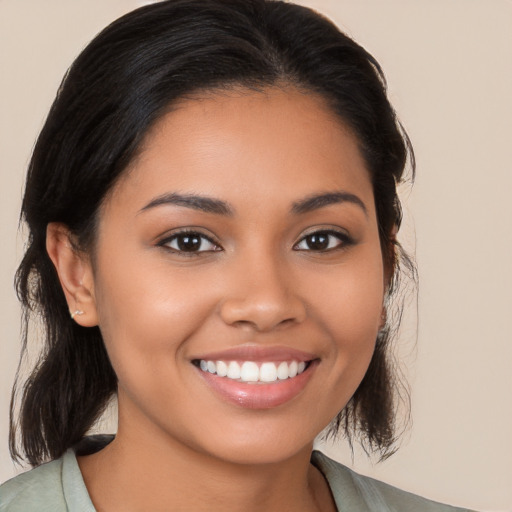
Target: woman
[(213, 215)]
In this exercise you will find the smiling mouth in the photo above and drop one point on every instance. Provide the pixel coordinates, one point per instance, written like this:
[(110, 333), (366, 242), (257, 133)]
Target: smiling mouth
[(253, 372)]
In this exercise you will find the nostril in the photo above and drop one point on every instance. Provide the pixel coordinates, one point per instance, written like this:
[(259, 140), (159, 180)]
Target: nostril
[(263, 326), (264, 308)]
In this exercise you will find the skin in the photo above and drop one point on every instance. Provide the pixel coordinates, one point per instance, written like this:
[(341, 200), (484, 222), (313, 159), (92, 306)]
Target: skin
[(258, 284)]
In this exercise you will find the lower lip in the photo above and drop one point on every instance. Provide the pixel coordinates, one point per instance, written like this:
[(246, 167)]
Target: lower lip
[(259, 395)]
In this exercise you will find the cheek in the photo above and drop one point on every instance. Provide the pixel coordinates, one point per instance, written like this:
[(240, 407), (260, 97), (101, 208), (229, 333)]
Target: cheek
[(349, 308), (350, 303), (146, 312)]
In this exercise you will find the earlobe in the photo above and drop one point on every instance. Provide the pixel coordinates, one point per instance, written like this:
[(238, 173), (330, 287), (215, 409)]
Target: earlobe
[(75, 274)]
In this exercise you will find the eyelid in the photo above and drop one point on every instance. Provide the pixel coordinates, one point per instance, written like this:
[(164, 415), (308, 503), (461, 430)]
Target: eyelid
[(164, 240), (342, 235)]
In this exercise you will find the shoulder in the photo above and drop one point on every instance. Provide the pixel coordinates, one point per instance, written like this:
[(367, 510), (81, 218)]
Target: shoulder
[(53, 487), (360, 493), (38, 489)]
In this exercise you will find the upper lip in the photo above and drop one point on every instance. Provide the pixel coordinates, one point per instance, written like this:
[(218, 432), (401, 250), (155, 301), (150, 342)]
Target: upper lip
[(258, 353)]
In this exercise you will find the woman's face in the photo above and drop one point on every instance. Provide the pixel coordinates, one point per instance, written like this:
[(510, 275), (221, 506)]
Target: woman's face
[(242, 241)]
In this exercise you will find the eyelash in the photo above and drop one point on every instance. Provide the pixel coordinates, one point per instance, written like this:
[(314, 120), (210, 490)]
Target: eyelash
[(175, 237), (343, 240)]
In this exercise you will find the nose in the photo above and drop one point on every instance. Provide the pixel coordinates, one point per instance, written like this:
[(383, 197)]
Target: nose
[(262, 295)]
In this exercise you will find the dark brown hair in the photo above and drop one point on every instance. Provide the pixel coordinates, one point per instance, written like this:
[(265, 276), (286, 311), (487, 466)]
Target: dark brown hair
[(117, 88)]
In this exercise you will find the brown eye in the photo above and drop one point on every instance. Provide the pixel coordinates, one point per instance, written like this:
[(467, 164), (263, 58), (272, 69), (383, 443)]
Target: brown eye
[(318, 242), (190, 242), (322, 241)]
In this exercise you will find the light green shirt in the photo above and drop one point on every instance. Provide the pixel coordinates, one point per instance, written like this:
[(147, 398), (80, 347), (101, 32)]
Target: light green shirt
[(58, 486)]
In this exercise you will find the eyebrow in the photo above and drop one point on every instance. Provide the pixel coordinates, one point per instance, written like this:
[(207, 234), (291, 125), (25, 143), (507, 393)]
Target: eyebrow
[(219, 207), (318, 201), (196, 202)]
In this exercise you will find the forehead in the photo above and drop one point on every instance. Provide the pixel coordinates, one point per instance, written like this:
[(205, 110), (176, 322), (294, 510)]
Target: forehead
[(272, 145)]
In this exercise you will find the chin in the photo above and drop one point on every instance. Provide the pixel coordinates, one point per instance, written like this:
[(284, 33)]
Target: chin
[(258, 442)]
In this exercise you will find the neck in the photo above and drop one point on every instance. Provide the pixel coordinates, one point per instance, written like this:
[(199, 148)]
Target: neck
[(151, 472)]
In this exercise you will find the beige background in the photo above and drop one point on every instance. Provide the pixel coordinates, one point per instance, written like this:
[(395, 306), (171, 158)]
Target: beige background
[(448, 64)]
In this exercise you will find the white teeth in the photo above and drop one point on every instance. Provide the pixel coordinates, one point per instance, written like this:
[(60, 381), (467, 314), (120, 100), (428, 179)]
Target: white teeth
[(222, 369), (268, 372), (282, 371), (233, 370), (249, 371)]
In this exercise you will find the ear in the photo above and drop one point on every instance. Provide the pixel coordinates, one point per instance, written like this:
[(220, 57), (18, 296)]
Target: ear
[(75, 274)]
